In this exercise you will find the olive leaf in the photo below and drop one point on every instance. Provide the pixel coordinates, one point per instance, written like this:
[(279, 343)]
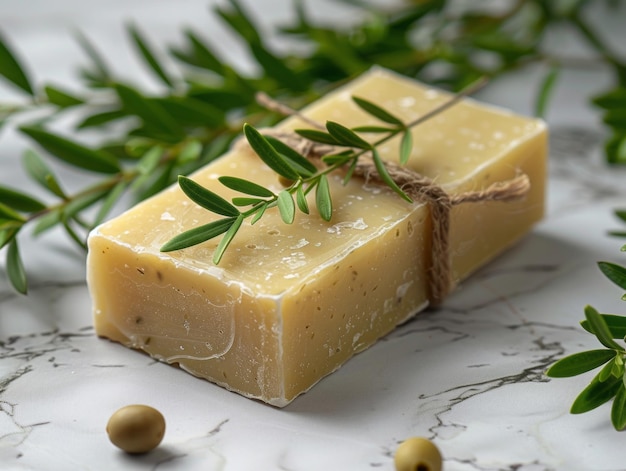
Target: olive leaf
[(61, 98), (301, 200), (41, 173), (20, 201), (346, 136), (198, 235), (245, 186), (148, 54), (315, 135), (600, 329), (385, 177), (597, 393), (614, 272), (579, 363), (268, 153), (618, 409), (615, 323), (377, 111), (15, 268), (286, 206), (227, 239), (12, 70), (206, 198), (323, 199), (545, 91), (71, 152)]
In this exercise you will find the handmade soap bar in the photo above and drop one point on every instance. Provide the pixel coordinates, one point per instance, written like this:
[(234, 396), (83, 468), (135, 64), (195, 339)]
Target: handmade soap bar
[(289, 304)]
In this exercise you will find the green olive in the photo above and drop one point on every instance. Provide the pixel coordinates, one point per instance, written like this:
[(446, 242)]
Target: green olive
[(417, 454), (136, 428)]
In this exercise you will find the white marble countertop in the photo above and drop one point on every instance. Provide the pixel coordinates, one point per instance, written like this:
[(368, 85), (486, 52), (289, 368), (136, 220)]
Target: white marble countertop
[(470, 375)]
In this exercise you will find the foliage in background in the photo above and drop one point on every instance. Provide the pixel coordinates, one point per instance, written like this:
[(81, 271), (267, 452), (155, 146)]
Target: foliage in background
[(610, 383), (205, 100)]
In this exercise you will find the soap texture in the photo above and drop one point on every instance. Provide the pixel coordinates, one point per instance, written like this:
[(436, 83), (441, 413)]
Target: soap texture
[(289, 304)]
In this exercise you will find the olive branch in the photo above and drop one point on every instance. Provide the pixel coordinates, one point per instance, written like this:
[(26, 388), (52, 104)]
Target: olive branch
[(300, 176)]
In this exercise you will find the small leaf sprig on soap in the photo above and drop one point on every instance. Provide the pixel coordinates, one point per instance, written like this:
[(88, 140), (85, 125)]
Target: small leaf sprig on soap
[(610, 382), (299, 174)]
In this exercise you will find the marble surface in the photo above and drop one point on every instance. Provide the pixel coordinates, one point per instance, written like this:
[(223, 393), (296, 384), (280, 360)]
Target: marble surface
[(469, 375)]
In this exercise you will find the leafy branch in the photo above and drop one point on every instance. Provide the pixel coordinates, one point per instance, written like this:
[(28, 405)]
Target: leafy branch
[(204, 101), (299, 174), (610, 382)]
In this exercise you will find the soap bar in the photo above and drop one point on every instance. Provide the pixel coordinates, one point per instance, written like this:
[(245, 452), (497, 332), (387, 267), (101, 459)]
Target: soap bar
[(289, 304)]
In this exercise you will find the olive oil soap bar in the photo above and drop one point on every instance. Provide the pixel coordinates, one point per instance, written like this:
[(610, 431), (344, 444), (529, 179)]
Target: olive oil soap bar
[(289, 304)]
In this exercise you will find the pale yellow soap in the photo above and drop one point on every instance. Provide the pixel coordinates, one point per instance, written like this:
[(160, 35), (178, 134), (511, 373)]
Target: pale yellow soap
[(289, 304)]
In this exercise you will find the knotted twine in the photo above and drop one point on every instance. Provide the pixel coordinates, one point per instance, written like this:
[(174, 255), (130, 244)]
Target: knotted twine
[(419, 188)]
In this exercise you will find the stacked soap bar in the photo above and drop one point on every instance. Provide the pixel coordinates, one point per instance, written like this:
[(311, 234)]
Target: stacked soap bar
[(289, 304)]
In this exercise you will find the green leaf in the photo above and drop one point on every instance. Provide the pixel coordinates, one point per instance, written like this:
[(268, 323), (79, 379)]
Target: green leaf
[(61, 98), (100, 118), (15, 268), (600, 329), (200, 55), (247, 201), (11, 69), (286, 206), (615, 323), (190, 152), (245, 186), (346, 136), (148, 54), (240, 22), (606, 372), (611, 100), (268, 154), (47, 221), (323, 200), (579, 363), (406, 147), (76, 205), (621, 214), (189, 111), (373, 129), (151, 113), (545, 92), (198, 235), (227, 239), (618, 409), (596, 394), (376, 111), (8, 213), (20, 201), (301, 201), (71, 152), (206, 198), (276, 68), (107, 205), (386, 178), (101, 68), (259, 213), (7, 235), (615, 273), (317, 136), (150, 160), (301, 162), (39, 171)]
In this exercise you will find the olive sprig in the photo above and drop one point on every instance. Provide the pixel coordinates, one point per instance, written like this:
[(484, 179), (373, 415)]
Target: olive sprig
[(610, 382), (299, 174)]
